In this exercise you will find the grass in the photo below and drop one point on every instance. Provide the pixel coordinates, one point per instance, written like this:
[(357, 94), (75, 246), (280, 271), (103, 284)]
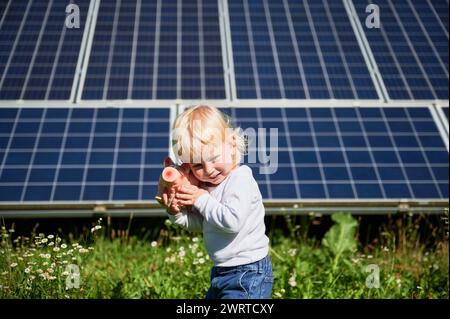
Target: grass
[(409, 254)]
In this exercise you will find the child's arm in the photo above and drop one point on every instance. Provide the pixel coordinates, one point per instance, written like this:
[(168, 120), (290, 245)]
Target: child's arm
[(230, 215), (181, 216), (192, 221)]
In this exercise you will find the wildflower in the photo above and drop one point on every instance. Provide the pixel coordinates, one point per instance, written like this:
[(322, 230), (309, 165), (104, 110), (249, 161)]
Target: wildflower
[(168, 250), (181, 248), (58, 240), (83, 250), (44, 240), (292, 252), (369, 256), (385, 249), (11, 230), (39, 271), (95, 228), (51, 243), (65, 273), (50, 270), (292, 281), (195, 239), (279, 295), (27, 270), (63, 246), (182, 253), (201, 261), (154, 243), (50, 236), (168, 222), (199, 254), (13, 265), (90, 248)]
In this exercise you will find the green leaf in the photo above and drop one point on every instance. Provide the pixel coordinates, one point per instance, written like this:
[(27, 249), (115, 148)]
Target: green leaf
[(341, 236)]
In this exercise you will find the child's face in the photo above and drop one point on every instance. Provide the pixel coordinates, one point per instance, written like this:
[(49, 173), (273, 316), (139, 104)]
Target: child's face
[(216, 164)]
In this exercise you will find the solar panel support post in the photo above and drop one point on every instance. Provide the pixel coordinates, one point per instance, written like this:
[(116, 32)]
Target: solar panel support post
[(227, 50), (366, 51), (85, 51), (174, 112), (441, 122)]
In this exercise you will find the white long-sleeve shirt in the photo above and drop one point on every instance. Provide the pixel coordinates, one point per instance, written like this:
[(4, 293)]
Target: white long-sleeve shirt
[(231, 217)]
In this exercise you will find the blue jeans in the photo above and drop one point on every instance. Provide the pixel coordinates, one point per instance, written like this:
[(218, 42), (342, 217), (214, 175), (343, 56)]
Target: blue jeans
[(250, 281)]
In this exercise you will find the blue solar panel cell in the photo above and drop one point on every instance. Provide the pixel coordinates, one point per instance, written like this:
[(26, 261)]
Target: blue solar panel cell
[(39, 53), (353, 153), (96, 155), (296, 50), (156, 50), (324, 153), (410, 47)]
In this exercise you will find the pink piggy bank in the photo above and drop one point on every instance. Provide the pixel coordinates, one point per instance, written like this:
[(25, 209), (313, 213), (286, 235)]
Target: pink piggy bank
[(173, 176)]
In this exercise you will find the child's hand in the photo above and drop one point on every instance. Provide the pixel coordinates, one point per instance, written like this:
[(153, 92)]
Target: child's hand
[(187, 194), (171, 203)]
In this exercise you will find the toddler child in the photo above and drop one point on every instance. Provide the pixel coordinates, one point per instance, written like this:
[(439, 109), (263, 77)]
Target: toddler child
[(227, 206)]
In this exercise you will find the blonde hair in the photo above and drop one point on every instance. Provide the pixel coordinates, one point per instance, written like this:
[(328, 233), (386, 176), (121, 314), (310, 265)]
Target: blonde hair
[(204, 125)]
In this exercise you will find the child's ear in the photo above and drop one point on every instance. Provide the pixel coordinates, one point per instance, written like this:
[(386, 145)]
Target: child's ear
[(232, 140), (232, 143)]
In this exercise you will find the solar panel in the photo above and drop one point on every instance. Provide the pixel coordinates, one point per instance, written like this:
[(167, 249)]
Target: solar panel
[(156, 50), (350, 153), (81, 154), (38, 54), (410, 47), (296, 50)]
